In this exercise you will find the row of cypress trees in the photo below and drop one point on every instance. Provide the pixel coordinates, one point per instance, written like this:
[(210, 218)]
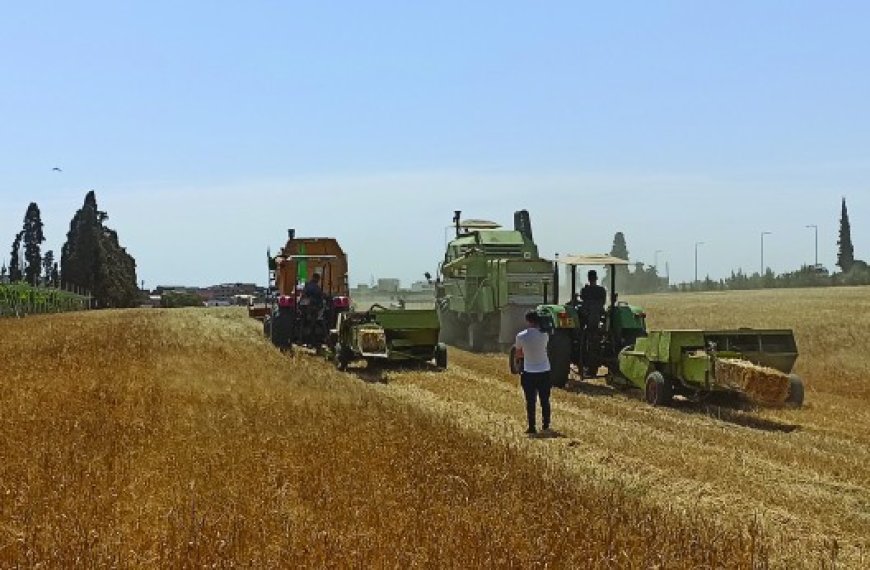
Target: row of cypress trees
[(92, 259)]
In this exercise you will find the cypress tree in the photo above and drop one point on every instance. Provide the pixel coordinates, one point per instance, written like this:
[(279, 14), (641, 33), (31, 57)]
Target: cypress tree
[(93, 259), (47, 264), (846, 255), (620, 250), (33, 237), (15, 273)]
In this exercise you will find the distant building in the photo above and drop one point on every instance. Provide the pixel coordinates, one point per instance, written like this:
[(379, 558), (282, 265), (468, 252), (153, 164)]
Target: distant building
[(388, 285), (422, 286), (229, 290)]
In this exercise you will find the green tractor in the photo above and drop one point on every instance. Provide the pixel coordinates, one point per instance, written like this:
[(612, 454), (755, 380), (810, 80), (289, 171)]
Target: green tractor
[(589, 336), (489, 279)]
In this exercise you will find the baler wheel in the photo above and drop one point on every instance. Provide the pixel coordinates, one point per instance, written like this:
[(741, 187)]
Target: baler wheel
[(795, 391), (658, 390)]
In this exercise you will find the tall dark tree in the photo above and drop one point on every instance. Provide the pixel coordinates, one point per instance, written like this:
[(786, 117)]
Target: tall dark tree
[(54, 279), (47, 264), (92, 259), (846, 254), (15, 273), (620, 250), (33, 238)]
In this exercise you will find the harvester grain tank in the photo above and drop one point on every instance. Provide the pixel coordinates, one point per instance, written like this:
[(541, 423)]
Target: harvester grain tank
[(489, 279)]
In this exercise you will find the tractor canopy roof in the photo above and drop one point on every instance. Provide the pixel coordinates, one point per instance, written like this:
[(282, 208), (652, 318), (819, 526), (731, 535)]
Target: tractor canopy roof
[(592, 259)]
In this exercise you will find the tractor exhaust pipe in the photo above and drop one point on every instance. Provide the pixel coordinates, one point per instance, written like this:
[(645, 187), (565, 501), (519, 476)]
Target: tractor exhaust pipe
[(291, 233), (457, 215)]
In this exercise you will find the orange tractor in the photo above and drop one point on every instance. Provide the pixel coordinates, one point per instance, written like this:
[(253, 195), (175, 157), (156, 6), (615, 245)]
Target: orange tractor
[(308, 289)]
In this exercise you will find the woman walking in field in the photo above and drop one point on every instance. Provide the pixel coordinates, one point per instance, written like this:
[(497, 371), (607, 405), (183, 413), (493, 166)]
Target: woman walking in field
[(531, 350)]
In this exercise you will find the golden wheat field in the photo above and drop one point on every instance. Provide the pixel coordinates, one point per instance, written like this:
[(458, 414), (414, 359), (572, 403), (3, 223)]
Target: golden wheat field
[(182, 439)]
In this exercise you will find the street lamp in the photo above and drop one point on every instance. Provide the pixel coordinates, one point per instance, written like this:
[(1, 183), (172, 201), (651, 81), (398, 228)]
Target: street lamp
[(762, 252), (816, 228), (697, 243)]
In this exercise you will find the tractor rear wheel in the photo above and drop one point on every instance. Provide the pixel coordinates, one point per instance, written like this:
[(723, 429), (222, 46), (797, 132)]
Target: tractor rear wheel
[(559, 351), (441, 356), (659, 391), (795, 391)]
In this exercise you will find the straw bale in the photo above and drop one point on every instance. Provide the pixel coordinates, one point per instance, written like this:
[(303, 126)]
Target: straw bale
[(373, 340), (762, 384)]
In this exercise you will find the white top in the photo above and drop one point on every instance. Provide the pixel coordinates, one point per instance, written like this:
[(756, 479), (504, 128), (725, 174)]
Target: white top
[(534, 345)]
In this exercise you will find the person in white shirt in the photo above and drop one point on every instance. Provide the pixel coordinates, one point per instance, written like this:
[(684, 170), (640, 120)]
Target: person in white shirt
[(531, 347)]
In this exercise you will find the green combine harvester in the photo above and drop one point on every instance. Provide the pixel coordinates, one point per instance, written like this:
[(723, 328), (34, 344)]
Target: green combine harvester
[(489, 279), (381, 336)]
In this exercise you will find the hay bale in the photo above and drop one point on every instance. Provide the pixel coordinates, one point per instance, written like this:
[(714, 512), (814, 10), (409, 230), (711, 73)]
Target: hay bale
[(373, 341), (761, 384)]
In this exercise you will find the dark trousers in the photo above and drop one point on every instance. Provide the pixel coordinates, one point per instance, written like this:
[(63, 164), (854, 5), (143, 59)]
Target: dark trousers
[(537, 384)]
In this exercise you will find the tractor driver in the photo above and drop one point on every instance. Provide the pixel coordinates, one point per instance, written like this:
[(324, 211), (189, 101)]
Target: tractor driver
[(312, 291), (594, 298)]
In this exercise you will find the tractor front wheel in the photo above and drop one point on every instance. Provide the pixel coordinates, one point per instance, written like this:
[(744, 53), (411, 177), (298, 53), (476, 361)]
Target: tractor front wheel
[(659, 391), (795, 391), (559, 352), (341, 358)]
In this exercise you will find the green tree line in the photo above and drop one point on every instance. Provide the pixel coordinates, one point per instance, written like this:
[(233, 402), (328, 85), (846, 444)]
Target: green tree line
[(92, 262), (639, 278)]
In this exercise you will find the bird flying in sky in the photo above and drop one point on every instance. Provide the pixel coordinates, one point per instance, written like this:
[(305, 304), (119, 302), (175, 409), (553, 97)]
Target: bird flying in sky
[(56, 169)]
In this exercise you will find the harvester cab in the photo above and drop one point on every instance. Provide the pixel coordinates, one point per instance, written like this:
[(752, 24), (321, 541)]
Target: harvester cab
[(585, 333)]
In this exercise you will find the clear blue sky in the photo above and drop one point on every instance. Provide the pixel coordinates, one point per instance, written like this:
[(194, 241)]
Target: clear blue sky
[(209, 128)]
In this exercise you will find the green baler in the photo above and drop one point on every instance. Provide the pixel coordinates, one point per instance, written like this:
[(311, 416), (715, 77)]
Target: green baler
[(389, 335), (670, 362)]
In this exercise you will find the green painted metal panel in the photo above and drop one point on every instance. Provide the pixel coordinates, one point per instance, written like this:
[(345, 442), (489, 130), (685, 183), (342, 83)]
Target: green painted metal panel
[(634, 365)]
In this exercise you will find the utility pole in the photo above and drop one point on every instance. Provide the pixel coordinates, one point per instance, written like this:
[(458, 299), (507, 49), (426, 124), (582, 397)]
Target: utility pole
[(816, 228), (697, 243)]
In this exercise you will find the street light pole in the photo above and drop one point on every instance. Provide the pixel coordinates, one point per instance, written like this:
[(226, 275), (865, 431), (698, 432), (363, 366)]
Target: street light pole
[(763, 268), (816, 228), (697, 243)]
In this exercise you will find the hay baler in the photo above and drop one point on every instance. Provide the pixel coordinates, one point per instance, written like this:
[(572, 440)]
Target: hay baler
[(381, 335), (755, 363)]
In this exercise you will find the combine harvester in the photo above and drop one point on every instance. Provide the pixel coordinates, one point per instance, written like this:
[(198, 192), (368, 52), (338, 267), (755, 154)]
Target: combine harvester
[(613, 343), (489, 279)]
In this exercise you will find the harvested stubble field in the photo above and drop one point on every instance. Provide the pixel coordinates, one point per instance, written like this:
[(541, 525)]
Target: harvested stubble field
[(180, 439)]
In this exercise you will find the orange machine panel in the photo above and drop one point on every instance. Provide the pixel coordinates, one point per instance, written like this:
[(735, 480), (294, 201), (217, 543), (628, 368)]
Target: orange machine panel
[(301, 258)]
